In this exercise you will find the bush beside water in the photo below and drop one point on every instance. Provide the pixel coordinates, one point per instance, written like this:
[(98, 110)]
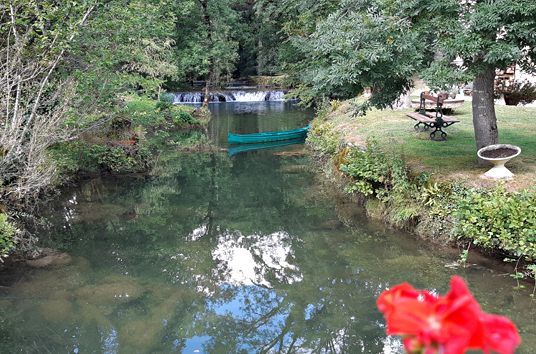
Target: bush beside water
[(7, 234), (491, 218), (125, 144), (496, 218)]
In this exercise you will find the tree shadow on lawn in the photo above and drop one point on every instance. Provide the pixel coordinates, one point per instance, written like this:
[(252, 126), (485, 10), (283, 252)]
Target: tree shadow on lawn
[(455, 159)]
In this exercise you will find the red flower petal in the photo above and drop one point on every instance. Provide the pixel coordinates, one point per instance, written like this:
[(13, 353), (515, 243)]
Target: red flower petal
[(452, 323), (387, 298), (500, 334)]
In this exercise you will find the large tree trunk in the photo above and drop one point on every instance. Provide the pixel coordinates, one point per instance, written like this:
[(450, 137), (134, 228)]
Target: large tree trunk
[(484, 119), (403, 101)]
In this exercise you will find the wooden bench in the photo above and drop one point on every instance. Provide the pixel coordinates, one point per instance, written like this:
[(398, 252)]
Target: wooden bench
[(436, 120)]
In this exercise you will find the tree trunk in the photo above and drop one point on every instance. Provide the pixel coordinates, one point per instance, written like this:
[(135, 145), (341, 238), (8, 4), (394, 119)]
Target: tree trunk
[(260, 58), (207, 22), (484, 119), (207, 93), (403, 101)]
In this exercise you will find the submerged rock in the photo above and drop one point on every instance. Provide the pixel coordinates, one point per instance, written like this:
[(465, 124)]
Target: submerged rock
[(331, 225), (56, 310), (49, 257), (58, 281), (294, 168), (290, 153), (95, 212), (118, 289), (141, 335)]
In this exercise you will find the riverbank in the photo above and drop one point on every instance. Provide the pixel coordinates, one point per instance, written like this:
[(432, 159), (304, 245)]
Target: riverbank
[(129, 142), (434, 189)]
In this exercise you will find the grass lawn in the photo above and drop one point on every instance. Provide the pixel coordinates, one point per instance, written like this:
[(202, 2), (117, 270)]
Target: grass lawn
[(456, 157)]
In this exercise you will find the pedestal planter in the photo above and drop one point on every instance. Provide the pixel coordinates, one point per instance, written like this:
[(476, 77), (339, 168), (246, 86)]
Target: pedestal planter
[(501, 153)]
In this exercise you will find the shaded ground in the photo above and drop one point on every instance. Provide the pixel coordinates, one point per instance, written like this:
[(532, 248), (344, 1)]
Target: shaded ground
[(455, 158)]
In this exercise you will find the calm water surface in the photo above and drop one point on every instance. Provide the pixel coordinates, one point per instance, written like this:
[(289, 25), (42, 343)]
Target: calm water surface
[(214, 253)]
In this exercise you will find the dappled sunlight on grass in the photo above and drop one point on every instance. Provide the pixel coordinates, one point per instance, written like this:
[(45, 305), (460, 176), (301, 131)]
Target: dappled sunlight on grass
[(456, 157)]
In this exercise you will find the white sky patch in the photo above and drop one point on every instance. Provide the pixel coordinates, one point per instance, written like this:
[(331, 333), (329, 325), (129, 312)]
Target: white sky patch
[(197, 233), (392, 345), (238, 258)]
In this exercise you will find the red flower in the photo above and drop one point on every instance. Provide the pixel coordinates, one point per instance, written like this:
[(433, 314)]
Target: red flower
[(449, 324), (500, 334)]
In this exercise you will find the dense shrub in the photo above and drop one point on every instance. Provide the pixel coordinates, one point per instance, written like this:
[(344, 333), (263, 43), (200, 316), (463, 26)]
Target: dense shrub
[(495, 218), (163, 114), (490, 218), (324, 138), (119, 157), (7, 234), (166, 102), (108, 155), (380, 174), (386, 178), (175, 114), (182, 117)]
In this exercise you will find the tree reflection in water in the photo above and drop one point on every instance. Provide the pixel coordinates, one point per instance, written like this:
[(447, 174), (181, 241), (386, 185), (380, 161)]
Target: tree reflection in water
[(219, 254)]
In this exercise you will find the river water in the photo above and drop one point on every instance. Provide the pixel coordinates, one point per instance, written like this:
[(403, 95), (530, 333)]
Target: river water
[(212, 253)]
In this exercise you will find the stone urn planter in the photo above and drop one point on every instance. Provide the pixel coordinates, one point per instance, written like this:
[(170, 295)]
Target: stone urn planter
[(498, 155)]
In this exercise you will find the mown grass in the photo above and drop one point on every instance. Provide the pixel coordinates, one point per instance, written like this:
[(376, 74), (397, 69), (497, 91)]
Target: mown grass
[(456, 157)]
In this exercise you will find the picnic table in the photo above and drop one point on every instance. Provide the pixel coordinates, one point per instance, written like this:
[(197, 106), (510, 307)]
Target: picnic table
[(436, 120)]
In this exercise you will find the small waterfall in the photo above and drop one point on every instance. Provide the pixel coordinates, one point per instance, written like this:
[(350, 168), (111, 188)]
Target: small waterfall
[(229, 96)]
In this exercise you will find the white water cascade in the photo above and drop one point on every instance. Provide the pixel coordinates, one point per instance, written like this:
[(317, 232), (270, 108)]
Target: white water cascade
[(229, 96)]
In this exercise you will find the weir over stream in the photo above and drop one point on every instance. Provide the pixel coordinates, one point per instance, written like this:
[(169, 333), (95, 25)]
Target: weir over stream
[(229, 96), (219, 254)]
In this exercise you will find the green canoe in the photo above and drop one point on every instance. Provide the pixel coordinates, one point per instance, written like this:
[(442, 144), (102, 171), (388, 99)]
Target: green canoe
[(267, 137), (235, 149)]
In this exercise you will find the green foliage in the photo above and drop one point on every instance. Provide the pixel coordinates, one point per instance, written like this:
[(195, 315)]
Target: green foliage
[(344, 46), (285, 28), (463, 256), (323, 135), (353, 46), (379, 173), (65, 65), (386, 178), (126, 143), (176, 114), (125, 48), (165, 102), (493, 218), (496, 218), (161, 114), (441, 199), (119, 158), (146, 112), (324, 138), (7, 233), (112, 155), (490, 218), (182, 117), (205, 39)]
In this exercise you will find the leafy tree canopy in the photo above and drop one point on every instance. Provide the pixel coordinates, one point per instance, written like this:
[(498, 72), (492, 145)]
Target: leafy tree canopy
[(382, 44)]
